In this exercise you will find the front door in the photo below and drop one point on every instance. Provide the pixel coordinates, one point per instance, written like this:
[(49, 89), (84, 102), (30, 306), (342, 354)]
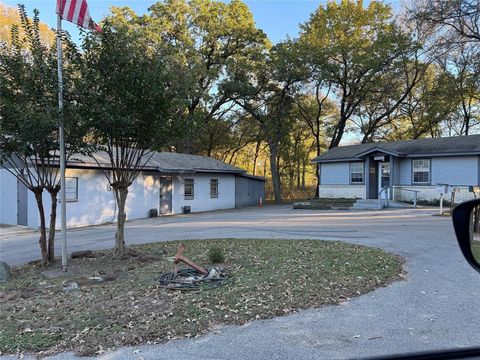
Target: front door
[(22, 204), (383, 175), (165, 195)]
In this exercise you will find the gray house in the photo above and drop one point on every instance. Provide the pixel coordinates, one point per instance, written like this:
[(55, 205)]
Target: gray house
[(401, 168)]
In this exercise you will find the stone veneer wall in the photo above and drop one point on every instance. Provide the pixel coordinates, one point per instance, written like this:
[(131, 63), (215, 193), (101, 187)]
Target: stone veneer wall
[(342, 191)]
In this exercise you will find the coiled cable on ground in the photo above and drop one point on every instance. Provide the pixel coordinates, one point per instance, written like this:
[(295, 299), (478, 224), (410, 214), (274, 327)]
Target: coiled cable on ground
[(192, 279)]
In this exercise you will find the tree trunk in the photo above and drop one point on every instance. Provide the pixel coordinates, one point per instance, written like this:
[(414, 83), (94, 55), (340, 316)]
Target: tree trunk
[(338, 134), (43, 232), (299, 173), (292, 180), (304, 165), (121, 194), (53, 219), (255, 159), (317, 167), (277, 190)]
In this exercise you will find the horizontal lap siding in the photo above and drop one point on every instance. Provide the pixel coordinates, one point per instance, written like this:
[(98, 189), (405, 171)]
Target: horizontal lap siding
[(458, 170), (405, 169), (335, 173)]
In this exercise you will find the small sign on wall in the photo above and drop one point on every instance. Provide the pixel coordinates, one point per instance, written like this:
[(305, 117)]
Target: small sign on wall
[(379, 158)]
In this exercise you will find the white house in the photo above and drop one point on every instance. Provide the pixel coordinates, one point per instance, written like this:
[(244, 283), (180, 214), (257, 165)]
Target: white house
[(423, 166), (170, 183)]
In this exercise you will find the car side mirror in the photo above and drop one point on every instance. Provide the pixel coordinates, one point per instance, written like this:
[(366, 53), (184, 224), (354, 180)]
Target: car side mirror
[(466, 222)]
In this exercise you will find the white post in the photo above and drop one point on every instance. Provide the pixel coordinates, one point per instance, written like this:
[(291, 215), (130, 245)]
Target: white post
[(61, 130), (441, 203)]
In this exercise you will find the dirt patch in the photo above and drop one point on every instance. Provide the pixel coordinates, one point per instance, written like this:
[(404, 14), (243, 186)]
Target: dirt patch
[(268, 278)]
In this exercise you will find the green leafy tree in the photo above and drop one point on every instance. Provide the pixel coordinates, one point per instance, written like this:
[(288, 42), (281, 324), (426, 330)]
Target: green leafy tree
[(266, 91), (424, 110), (459, 16), (204, 41), (29, 145), (127, 101), (355, 46), (461, 67)]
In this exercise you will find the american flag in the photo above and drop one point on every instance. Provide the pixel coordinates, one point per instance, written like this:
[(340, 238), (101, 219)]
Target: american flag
[(76, 11)]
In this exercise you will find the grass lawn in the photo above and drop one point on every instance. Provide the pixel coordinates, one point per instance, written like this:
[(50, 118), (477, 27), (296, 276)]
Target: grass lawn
[(268, 278)]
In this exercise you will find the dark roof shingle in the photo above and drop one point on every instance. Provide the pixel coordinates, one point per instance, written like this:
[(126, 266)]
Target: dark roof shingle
[(165, 162), (448, 146)]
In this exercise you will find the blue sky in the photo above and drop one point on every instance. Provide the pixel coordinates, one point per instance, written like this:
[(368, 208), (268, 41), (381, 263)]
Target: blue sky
[(278, 18)]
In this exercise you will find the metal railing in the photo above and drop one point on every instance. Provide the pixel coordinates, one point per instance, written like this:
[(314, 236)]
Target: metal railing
[(385, 190), (415, 194)]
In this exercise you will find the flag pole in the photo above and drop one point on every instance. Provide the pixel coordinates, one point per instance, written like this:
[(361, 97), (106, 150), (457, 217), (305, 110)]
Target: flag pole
[(61, 130)]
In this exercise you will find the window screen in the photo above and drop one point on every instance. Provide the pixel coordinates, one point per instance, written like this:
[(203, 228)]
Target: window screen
[(213, 188), (71, 189), (356, 173), (189, 189), (421, 171)]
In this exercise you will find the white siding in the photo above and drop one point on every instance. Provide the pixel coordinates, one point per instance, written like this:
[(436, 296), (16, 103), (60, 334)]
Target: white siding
[(335, 173), (95, 204), (202, 200), (8, 198), (143, 195), (458, 170)]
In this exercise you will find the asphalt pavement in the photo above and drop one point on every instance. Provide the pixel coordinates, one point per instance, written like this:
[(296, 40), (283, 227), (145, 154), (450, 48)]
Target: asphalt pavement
[(434, 308)]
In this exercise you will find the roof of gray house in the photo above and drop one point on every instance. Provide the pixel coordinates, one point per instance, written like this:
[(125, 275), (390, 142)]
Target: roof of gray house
[(164, 162), (447, 146)]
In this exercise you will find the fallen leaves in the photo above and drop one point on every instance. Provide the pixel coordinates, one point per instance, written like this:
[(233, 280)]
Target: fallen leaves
[(269, 278)]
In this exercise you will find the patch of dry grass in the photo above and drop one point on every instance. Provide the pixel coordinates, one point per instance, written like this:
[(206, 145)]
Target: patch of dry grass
[(268, 278)]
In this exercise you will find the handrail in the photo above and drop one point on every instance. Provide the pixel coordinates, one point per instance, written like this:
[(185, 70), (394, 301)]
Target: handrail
[(415, 193), (386, 190)]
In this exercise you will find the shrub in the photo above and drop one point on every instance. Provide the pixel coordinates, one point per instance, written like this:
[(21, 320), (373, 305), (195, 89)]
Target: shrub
[(216, 256)]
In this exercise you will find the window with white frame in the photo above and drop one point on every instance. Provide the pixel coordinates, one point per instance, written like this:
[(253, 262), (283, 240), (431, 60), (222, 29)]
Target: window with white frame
[(214, 188), (356, 173), (71, 189), (189, 189), (421, 171)]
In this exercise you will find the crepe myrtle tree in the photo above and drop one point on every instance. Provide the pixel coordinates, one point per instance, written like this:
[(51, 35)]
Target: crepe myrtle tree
[(29, 143), (126, 100)]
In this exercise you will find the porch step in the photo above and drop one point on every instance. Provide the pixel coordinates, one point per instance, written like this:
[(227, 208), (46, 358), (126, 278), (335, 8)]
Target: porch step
[(373, 204), (366, 204), (325, 204), (346, 204)]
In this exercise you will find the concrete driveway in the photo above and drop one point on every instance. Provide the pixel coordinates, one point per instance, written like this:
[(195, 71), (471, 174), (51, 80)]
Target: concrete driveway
[(435, 308)]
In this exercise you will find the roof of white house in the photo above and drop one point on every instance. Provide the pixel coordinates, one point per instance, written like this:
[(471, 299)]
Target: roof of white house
[(164, 162), (447, 146)]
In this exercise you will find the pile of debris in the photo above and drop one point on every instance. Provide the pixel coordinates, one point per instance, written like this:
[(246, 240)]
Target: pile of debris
[(193, 278)]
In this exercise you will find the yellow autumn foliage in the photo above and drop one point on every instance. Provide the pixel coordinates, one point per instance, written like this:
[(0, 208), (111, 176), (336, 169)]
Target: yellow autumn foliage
[(9, 16)]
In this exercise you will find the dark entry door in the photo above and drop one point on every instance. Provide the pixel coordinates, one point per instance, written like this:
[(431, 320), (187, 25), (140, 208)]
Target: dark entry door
[(166, 195), (22, 204)]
